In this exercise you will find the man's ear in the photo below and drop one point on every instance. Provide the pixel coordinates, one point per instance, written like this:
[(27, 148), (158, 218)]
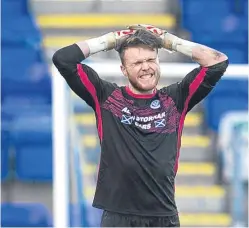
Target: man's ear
[(123, 69)]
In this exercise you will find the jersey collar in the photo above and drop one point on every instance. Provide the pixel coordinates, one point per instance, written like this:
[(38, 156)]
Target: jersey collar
[(141, 96)]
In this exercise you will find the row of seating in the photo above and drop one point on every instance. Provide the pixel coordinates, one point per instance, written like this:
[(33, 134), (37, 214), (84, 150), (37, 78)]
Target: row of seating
[(228, 95), (37, 215), (25, 215), (222, 25), (26, 97), (26, 134)]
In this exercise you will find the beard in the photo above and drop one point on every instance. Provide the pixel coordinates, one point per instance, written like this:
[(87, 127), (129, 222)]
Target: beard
[(145, 85)]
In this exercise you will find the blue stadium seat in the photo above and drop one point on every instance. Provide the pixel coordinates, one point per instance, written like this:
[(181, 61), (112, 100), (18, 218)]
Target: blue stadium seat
[(228, 95), (226, 37), (196, 12), (235, 55), (5, 127), (24, 215), (222, 15), (25, 27), (32, 138), (24, 60), (14, 8), (227, 25), (28, 91), (4, 162), (27, 75), (34, 163), (5, 143), (14, 106), (33, 128), (17, 19)]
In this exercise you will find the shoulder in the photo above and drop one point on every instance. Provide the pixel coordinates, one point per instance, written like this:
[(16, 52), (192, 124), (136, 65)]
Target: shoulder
[(170, 89)]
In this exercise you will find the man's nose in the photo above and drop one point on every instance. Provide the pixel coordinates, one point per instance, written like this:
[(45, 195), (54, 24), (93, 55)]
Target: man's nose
[(145, 65)]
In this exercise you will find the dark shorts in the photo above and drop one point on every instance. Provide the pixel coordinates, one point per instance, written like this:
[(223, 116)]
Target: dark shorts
[(111, 219)]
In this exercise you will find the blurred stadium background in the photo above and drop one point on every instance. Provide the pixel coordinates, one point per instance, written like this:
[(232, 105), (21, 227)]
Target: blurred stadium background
[(212, 181)]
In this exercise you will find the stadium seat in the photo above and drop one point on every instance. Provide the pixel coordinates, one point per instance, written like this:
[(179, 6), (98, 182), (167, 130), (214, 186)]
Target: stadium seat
[(4, 162), (226, 37), (24, 26), (225, 15), (196, 11), (14, 8), (24, 60), (5, 143), (24, 215), (228, 95), (14, 106), (34, 163), (226, 25), (27, 91), (32, 139), (32, 128), (26, 77), (26, 95), (235, 55)]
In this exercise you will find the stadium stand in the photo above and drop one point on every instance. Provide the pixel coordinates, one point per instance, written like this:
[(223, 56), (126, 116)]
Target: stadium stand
[(26, 151), (26, 133), (226, 28), (25, 215), (230, 95)]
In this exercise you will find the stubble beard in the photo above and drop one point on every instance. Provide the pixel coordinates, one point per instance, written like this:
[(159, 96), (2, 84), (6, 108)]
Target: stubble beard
[(136, 85)]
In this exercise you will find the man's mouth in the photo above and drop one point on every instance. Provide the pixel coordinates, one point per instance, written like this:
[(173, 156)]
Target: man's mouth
[(146, 76)]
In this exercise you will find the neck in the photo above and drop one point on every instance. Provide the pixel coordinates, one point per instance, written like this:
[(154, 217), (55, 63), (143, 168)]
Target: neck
[(138, 94)]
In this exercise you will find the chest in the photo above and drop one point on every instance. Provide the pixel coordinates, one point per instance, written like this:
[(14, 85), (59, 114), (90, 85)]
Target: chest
[(158, 114)]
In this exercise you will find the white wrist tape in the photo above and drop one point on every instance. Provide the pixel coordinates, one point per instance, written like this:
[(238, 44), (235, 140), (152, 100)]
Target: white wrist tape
[(185, 47), (180, 45), (97, 44)]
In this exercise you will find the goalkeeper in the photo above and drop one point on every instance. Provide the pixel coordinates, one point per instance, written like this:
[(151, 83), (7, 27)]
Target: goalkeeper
[(139, 126)]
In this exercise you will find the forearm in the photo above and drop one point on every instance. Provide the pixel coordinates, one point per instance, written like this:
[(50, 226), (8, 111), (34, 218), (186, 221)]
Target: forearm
[(201, 54)]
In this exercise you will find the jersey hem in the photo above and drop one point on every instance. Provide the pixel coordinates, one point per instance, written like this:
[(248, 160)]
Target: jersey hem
[(172, 213)]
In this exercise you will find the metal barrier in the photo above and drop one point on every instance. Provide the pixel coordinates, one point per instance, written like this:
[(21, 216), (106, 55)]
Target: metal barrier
[(233, 144)]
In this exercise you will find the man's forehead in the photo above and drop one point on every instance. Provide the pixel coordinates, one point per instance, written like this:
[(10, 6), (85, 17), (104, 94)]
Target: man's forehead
[(139, 54)]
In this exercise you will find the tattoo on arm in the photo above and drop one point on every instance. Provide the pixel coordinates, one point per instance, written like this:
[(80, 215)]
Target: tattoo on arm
[(206, 56), (217, 54)]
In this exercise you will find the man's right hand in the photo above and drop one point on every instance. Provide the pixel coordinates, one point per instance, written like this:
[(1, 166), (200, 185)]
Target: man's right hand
[(115, 39)]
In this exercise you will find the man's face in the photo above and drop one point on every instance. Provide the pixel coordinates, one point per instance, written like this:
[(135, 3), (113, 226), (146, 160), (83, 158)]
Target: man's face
[(141, 66)]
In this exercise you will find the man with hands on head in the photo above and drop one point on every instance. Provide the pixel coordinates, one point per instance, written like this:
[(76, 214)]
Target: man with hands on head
[(139, 126)]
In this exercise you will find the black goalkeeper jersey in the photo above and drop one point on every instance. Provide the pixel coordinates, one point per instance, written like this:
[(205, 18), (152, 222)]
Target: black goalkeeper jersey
[(140, 135)]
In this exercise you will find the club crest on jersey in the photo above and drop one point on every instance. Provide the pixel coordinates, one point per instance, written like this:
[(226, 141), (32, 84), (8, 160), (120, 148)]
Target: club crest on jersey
[(155, 104)]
